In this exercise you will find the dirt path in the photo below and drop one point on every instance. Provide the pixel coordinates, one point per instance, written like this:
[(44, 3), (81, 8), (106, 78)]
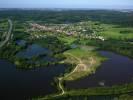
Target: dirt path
[(60, 86), (74, 70), (61, 78), (80, 64), (8, 34)]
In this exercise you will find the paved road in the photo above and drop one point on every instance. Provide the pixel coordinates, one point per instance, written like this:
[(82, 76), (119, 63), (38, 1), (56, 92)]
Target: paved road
[(8, 34)]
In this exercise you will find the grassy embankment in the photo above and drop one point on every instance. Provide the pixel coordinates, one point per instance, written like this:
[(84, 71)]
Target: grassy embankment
[(118, 90), (85, 60)]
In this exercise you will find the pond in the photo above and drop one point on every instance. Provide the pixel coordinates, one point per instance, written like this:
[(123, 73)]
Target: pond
[(74, 46), (21, 42), (21, 84), (33, 50), (116, 70)]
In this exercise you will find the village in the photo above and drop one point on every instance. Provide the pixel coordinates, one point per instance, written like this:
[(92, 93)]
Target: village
[(86, 30)]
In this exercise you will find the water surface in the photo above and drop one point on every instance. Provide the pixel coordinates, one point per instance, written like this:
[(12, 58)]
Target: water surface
[(21, 42), (20, 84), (33, 50)]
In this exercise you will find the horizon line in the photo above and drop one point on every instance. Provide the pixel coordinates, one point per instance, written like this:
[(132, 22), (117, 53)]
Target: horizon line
[(70, 8)]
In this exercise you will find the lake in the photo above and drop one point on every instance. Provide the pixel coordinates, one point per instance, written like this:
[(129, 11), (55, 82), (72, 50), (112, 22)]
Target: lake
[(116, 70), (21, 84)]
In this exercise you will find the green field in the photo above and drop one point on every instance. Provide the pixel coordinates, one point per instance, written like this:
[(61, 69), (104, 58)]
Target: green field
[(117, 32)]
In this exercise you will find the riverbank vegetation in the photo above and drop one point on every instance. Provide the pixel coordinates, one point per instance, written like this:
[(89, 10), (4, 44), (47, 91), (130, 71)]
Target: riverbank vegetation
[(114, 91)]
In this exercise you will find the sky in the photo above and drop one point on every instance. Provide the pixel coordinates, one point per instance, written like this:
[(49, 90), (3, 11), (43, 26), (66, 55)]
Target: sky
[(111, 4)]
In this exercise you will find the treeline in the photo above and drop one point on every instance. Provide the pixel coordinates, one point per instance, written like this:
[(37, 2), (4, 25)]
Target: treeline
[(52, 43), (9, 51), (123, 47), (70, 16), (118, 47)]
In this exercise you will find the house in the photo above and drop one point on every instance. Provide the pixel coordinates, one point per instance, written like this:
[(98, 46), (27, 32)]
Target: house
[(69, 33)]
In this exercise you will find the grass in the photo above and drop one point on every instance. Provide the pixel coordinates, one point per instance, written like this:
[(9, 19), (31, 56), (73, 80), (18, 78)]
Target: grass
[(118, 90), (114, 32), (77, 52), (85, 60), (67, 40)]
